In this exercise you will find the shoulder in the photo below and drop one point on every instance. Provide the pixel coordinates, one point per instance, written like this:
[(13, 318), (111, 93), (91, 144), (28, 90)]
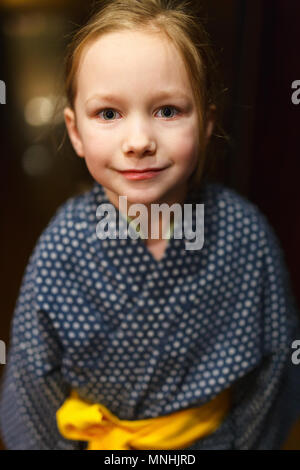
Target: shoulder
[(76, 215), (65, 238), (74, 210), (224, 199), (234, 212), (240, 226)]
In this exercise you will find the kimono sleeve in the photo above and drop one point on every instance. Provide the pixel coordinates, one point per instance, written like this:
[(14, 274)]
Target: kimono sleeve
[(32, 386), (267, 401)]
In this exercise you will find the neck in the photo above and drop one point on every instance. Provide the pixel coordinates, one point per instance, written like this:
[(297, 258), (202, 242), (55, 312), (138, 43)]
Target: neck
[(178, 196)]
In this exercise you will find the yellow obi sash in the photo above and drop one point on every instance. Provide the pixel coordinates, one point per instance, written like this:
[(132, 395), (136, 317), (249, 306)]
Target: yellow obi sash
[(83, 421)]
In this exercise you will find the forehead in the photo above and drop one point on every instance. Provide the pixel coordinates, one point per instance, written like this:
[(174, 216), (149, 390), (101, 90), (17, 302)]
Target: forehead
[(131, 60)]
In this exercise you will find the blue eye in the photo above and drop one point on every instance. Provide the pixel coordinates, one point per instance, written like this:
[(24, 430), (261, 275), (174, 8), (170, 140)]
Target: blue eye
[(109, 112), (169, 108)]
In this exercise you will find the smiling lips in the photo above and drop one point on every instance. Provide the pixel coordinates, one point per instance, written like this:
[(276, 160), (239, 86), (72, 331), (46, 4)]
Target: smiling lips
[(141, 174)]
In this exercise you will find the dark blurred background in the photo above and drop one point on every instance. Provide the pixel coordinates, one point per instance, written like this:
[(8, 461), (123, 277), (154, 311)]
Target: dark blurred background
[(256, 43)]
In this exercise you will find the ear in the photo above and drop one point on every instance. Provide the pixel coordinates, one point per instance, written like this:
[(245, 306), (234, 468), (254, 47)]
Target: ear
[(70, 121), (210, 122)]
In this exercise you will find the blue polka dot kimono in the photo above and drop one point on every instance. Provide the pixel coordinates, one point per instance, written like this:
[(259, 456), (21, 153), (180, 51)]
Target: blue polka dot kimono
[(146, 337)]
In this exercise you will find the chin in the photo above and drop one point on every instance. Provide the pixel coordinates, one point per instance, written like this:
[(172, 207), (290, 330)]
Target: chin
[(145, 196)]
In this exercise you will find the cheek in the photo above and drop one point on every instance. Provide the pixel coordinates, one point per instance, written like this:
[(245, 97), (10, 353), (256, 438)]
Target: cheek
[(186, 145), (97, 145)]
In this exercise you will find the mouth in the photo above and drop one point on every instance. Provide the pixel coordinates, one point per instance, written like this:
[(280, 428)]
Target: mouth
[(141, 174)]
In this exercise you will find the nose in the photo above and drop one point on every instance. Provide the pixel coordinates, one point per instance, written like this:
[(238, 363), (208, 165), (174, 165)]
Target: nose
[(139, 140)]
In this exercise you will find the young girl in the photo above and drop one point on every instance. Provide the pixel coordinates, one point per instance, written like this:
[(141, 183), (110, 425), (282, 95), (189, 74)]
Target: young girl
[(140, 343)]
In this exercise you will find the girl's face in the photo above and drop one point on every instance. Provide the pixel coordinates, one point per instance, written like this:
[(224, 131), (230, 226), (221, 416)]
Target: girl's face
[(134, 109)]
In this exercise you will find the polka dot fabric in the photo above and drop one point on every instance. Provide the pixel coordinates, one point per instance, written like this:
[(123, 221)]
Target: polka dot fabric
[(147, 338)]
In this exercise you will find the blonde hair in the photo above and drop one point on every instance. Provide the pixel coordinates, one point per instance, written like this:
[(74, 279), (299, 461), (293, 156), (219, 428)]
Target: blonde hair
[(179, 22)]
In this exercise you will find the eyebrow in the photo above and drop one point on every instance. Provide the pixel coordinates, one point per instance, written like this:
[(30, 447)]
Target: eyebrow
[(172, 93)]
